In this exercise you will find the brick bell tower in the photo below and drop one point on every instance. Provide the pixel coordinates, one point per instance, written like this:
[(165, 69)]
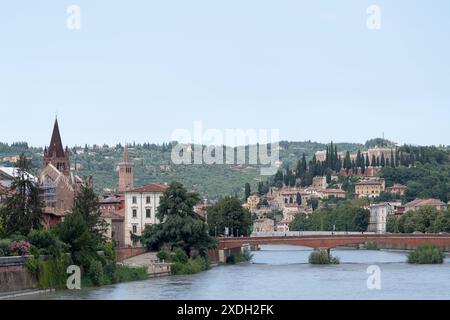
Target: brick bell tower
[(126, 173), (55, 153)]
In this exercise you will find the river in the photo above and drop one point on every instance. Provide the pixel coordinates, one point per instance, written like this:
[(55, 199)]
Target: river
[(283, 272)]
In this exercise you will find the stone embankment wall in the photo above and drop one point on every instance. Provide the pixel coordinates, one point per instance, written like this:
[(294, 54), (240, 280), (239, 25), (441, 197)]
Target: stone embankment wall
[(123, 254), (405, 247), (14, 275)]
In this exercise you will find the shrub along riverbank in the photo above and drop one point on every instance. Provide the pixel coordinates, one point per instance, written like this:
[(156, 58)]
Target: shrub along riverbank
[(182, 264), (321, 257), (239, 258), (427, 254)]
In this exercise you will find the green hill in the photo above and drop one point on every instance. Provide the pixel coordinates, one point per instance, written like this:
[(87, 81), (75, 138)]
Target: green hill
[(153, 164)]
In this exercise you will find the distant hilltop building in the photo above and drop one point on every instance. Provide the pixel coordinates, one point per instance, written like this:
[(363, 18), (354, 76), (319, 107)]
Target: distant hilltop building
[(371, 188), (376, 154)]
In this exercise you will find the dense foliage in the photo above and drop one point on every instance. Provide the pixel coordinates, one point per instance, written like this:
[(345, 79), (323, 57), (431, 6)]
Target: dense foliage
[(345, 216), (425, 220), (426, 254), (182, 264), (321, 257), (22, 211), (181, 227), (229, 213)]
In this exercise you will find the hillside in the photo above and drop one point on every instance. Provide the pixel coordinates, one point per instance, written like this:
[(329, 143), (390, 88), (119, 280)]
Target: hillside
[(153, 164)]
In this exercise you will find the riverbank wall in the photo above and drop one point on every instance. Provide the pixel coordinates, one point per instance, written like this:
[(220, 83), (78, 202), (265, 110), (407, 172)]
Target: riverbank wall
[(123, 254), (14, 275), (404, 247)]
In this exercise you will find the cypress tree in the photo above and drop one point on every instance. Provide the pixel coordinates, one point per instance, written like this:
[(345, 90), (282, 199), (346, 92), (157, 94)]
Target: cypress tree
[(374, 161), (248, 190)]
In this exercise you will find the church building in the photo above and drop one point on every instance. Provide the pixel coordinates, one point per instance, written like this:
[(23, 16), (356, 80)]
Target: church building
[(58, 185)]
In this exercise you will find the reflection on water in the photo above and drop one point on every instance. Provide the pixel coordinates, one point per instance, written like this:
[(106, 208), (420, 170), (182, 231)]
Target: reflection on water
[(283, 272)]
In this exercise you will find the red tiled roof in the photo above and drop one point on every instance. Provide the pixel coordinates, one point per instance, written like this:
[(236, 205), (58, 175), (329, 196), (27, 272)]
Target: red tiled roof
[(154, 187), (398, 186), (369, 183), (333, 191), (115, 216), (425, 202), (55, 212)]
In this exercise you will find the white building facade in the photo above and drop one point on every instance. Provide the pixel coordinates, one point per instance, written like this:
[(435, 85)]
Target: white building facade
[(379, 214), (141, 207)]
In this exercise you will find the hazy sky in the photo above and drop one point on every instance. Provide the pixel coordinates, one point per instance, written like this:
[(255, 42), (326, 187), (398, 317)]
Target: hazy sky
[(138, 70)]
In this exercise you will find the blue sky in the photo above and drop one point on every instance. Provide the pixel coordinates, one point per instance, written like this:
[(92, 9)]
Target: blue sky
[(136, 71)]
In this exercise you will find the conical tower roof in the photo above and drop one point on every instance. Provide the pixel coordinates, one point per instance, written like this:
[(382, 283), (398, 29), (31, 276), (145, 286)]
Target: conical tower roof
[(56, 146)]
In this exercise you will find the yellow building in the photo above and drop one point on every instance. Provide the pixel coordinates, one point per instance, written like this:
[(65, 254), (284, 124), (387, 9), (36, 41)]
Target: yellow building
[(252, 203), (370, 188)]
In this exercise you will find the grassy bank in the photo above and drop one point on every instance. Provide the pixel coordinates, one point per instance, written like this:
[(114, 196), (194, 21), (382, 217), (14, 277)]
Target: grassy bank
[(52, 273), (182, 264)]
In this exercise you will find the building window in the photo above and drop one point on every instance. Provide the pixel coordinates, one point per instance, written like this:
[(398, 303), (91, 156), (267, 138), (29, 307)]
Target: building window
[(148, 213), (147, 200), (134, 200), (134, 229), (134, 213)]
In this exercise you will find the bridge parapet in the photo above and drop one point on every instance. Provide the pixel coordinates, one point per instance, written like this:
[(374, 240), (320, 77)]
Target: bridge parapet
[(338, 240)]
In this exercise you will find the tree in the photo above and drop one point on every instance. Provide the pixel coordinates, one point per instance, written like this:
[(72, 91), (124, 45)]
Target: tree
[(393, 160), (87, 205), (374, 161), (363, 165), (248, 191), (229, 213), (347, 162), (83, 245), (361, 220), (314, 203), (22, 210), (383, 161), (298, 199), (300, 223), (180, 227)]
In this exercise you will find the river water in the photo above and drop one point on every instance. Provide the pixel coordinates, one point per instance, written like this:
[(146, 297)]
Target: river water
[(283, 272)]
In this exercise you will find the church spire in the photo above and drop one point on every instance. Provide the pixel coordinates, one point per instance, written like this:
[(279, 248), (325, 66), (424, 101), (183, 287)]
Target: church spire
[(55, 153), (56, 147)]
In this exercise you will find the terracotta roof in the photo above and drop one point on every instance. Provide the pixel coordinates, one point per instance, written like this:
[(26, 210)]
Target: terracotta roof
[(154, 187), (293, 192), (55, 212), (333, 191), (425, 202), (115, 216), (398, 186), (369, 183)]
